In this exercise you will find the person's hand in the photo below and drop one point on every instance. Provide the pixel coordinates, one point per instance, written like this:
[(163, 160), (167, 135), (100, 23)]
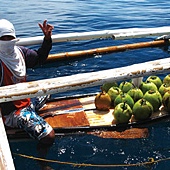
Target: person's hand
[(46, 29)]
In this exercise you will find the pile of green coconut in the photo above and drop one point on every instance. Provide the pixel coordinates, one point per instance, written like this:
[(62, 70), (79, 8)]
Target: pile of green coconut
[(130, 101)]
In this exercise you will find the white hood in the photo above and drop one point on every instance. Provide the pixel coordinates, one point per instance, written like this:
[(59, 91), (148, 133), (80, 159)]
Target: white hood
[(10, 54)]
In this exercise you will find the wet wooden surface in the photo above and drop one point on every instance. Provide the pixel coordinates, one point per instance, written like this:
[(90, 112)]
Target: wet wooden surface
[(65, 120), (90, 117), (80, 115), (132, 133)]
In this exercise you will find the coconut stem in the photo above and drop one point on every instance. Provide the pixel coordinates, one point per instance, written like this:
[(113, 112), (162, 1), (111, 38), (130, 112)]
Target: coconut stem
[(124, 105), (143, 102)]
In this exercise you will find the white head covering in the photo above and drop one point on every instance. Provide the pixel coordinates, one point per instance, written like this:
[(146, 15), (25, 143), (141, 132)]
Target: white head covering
[(6, 28), (10, 54)]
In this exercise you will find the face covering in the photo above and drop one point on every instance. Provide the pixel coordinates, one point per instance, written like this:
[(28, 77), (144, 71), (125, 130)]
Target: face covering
[(12, 57)]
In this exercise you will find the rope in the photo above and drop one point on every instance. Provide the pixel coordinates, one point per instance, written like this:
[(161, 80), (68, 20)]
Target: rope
[(150, 162)]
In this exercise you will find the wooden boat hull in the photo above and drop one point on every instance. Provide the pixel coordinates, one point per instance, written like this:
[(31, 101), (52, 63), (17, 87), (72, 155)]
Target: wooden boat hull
[(78, 115)]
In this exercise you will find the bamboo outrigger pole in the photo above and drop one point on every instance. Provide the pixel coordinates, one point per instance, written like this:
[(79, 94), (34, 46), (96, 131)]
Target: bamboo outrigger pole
[(104, 50)]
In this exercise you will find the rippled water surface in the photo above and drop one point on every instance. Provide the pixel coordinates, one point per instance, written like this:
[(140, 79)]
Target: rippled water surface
[(79, 16)]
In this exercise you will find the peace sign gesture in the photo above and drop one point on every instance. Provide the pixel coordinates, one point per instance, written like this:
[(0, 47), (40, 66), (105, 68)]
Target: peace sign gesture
[(46, 29)]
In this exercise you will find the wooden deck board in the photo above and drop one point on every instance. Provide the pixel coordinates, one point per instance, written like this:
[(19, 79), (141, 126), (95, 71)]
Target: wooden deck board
[(65, 120), (96, 118), (89, 117), (87, 102), (100, 118)]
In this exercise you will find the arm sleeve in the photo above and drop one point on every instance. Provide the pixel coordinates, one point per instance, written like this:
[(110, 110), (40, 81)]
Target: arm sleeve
[(33, 57)]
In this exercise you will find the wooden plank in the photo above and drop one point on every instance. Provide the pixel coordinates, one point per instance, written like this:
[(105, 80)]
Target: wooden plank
[(79, 81), (6, 161), (96, 117), (93, 119), (105, 34), (64, 120)]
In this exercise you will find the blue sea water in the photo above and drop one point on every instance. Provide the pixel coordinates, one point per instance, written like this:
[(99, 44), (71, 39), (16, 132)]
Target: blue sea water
[(79, 16)]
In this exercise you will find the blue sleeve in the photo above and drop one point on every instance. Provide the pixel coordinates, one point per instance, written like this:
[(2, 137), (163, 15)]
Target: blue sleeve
[(33, 57)]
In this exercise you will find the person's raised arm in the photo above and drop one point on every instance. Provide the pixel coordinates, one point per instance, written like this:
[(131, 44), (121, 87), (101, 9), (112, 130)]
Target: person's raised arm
[(47, 43), (35, 57)]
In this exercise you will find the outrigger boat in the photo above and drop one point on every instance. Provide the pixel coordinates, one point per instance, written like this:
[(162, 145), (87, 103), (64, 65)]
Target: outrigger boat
[(78, 114)]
